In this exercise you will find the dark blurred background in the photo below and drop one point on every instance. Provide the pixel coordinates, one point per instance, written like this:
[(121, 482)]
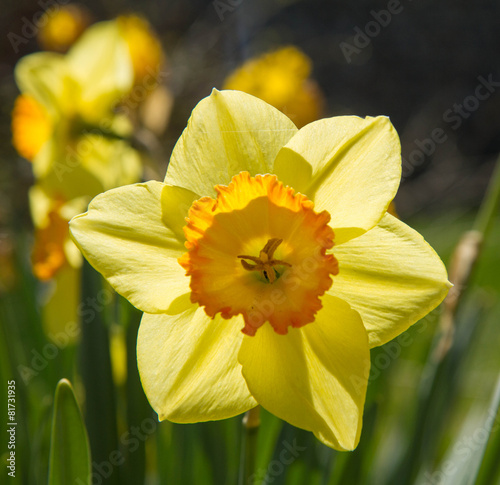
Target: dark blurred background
[(431, 66)]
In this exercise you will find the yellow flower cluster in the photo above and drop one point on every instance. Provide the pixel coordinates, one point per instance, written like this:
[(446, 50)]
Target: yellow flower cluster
[(69, 123)]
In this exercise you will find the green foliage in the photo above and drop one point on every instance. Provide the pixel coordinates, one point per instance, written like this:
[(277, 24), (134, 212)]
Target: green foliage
[(69, 446), (425, 421)]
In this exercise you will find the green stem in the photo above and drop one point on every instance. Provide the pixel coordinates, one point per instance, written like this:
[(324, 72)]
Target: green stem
[(251, 423), (95, 370), (464, 260), (489, 208)]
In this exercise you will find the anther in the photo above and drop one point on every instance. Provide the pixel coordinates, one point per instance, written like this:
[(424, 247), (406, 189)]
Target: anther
[(265, 262)]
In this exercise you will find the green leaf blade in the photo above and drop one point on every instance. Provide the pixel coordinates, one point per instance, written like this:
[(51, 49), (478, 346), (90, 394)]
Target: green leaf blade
[(70, 460)]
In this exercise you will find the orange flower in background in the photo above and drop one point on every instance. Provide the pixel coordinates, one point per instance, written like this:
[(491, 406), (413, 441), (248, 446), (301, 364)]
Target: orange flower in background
[(31, 126), (48, 252), (282, 79), (55, 259), (53, 248)]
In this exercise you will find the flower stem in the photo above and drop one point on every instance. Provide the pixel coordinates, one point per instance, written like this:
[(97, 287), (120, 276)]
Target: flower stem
[(491, 202), (251, 423), (464, 260)]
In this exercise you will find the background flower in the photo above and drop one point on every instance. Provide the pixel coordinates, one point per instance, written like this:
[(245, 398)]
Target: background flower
[(282, 79), (61, 28)]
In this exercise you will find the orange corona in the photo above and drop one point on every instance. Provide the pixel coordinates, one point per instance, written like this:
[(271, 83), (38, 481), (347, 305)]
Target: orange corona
[(48, 255), (30, 126), (259, 250)]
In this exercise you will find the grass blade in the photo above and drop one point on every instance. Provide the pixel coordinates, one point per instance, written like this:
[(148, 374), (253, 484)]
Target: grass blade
[(69, 448)]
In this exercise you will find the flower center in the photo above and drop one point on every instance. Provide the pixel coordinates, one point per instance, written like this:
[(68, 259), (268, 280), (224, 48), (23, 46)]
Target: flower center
[(265, 262), (259, 216)]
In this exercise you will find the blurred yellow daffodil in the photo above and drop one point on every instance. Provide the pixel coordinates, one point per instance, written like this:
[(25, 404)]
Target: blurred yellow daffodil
[(55, 258), (150, 101), (65, 121), (53, 247), (62, 26), (266, 264), (282, 79), (144, 47)]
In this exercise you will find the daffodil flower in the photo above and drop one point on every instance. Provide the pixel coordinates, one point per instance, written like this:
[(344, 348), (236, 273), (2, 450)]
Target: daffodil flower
[(55, 258), (62, 26), (266, 265), (282, 79), (65, 122), (145, 49)]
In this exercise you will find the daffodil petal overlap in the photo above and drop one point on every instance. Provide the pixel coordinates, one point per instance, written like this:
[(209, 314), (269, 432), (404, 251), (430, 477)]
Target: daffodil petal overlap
[(175, 202), (125, 238), (228, 132), (391, 276), (354, 169), (189, 367), (314, 377)]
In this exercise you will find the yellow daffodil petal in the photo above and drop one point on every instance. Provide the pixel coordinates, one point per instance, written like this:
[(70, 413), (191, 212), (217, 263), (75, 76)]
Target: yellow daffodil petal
[(124, 237), (40, 205), (175, 203), (314, 377), (43, 76), (87, 166), (391, 276), (355, 169), (65, 180), (113, 162), (189, 367), (228, 132), (100, 63)]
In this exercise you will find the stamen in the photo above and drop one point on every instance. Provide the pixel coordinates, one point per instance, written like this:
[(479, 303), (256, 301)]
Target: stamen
[(265, 262)]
